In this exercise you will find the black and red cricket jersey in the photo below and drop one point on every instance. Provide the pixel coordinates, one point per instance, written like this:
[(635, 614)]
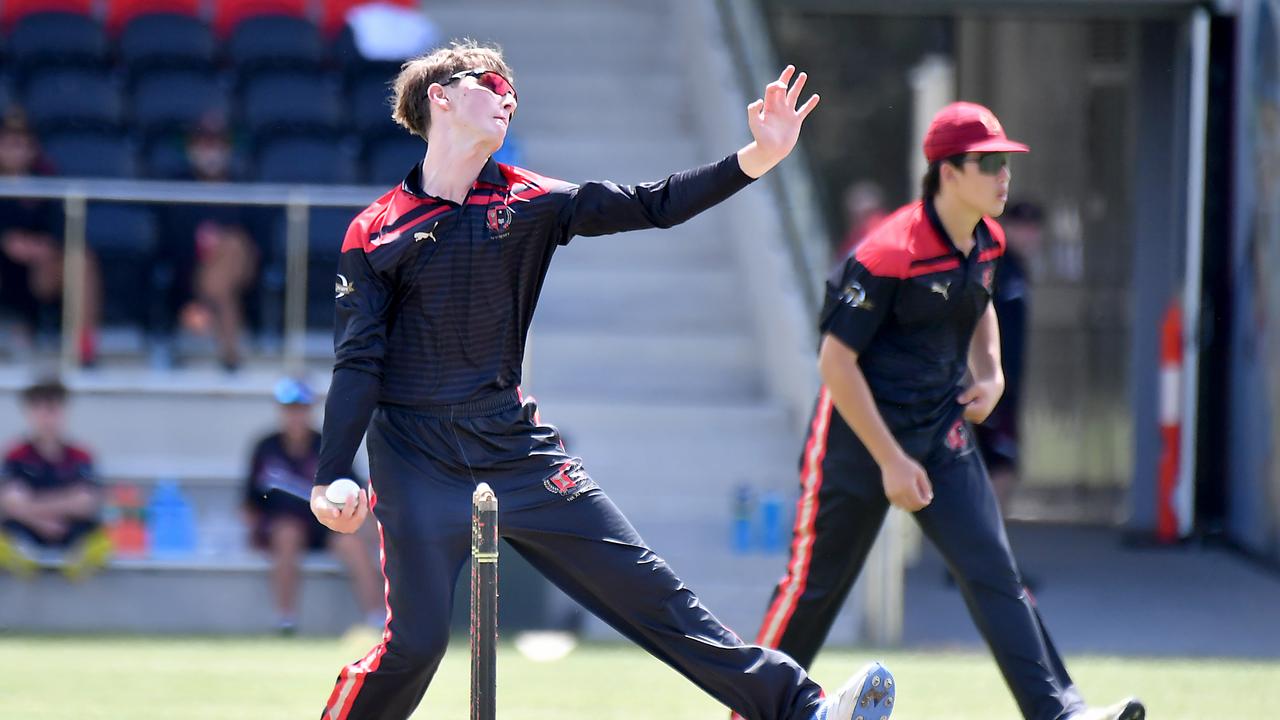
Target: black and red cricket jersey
[(25, 464), (435, 298), (907, 301)]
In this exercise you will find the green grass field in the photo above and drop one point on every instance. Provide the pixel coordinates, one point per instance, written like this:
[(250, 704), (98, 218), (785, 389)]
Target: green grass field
[(270, 679)]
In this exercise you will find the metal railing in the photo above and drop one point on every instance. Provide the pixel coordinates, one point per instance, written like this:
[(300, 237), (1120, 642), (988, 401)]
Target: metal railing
[(297, 200), (806, 232)]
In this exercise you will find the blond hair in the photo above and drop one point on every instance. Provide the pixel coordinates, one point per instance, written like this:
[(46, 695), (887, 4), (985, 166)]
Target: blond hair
[(410, 108)]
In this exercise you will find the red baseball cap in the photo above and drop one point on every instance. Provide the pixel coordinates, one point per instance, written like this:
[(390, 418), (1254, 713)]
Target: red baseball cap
[(964, 127)]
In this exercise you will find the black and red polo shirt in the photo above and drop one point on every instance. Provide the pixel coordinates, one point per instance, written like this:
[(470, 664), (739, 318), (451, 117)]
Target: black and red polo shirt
[(25, 464), (435, 298), (907, 300)]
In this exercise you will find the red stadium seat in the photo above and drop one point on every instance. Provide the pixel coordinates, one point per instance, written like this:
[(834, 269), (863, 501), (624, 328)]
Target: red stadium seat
[(13, 10), (120, 12), (228, 13), (334, 14)]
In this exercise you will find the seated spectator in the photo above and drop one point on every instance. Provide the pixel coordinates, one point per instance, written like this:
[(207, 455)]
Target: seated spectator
[(50, 500), (210, 247), (277, 502), (31, 257)]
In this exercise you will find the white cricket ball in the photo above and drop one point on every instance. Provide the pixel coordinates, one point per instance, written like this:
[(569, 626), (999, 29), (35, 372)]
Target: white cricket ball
[(341, 490)]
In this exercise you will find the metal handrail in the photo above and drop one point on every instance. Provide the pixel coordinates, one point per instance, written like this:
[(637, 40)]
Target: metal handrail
[(805, 231), (76, 193)]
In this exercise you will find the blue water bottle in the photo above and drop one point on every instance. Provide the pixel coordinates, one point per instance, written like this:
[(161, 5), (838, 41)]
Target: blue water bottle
[(742, 520), (172, 521), (771, 539)]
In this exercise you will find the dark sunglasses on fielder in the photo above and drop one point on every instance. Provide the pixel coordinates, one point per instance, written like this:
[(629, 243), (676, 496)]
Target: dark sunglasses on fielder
[(990, 163)]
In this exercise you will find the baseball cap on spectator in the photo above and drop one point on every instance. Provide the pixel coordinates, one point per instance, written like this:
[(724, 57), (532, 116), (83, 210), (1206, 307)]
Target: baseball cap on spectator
[(964, 127), (291, 391)]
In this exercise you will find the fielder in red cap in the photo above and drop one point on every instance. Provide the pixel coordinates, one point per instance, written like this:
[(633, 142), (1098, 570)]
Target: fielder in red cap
[(910, 359)]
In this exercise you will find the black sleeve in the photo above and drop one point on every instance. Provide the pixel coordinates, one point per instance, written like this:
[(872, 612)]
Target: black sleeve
[(857, 303), (352, 397), (253, 496), (364, 298), (601, 208)]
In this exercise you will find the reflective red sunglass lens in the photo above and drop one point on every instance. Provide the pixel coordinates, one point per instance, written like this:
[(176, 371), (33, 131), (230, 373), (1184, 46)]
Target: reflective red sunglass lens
[(496, 83)]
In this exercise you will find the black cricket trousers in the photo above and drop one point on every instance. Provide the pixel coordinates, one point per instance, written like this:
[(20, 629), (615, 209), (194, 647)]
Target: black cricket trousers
[(425, 464), (841, 508)]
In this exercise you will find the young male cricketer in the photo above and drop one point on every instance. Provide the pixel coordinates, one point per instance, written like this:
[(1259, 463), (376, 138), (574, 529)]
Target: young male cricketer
[(437, 285), (910, 356)]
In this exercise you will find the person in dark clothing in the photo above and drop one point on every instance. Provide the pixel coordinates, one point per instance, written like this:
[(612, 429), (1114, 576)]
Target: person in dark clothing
[(31, 257), (281, 470), (49, 495), (436, 288), (211, 247), (910, 357)]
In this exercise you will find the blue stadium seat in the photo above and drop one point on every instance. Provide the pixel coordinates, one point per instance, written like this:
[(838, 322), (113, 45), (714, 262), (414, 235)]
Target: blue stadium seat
[(389, 158), (275, 41), (168, 100), (57, 38), (166, 40), (124, 238), (68, 97), (356, 67), (305, 159), (278, 102), (90, 154), (326, 228), (369, 102)]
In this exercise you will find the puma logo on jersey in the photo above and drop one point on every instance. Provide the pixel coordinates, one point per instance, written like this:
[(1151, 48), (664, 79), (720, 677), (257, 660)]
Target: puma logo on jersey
[(943, 289), (428, 235)]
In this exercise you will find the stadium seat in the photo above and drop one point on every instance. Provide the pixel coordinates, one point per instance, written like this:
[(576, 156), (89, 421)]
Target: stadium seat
[(305, 159), (326, 227), (124, 238), (172, 100), (90, 154), (57, 38), (62, 98), (166, 40), (388, 158), (227, 14), (289, 101), (120, 13), (369, 102), (275, 41), (355, 67), (13, 10), (164, 157)]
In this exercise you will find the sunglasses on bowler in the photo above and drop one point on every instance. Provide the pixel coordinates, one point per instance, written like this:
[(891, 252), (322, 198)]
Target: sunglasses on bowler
[(489, 80), (990, 163)]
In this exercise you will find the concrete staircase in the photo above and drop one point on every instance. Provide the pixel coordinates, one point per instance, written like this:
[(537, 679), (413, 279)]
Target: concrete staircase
[(648, 349)]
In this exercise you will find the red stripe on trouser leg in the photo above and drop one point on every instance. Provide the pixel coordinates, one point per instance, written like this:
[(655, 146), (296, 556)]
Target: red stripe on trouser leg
[(352, 677), (792, 585)]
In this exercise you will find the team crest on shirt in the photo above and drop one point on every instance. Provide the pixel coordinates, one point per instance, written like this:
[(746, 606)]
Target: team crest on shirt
[(988, 276), (855, 296), (498, 218), (958, 439), (570, 481)]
